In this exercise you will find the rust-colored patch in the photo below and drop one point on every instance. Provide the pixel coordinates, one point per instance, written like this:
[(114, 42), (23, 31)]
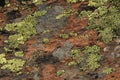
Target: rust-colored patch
[(61, 2), (76, 41), (50, 2), (92, 35), (75, 6), (28, 69), (49, 73), (2, 18), (101, 44), (2, 38), (30, 50), (31, 41), (5, 78), (90, 38), (114, 75), (75, 24), (28, 54), (51, 46)]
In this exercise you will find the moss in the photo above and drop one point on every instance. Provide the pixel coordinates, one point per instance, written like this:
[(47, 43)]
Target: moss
[(92, 61), (14, 65), (65, 13), (60, 72), (73, 34), (37, 2), (46, 31), (19, 54), (97, 2), (74, 53), (91, 49), (106, 35), (15, 40), (107, 70), (74, 1), (2, 58), (45, 40), (24, 29), (88, 58), (103, 19), (64, 36), (72, 63)]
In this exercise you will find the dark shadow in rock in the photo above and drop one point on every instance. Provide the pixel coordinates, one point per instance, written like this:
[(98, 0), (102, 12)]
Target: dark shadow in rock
[(94, 76), (47, 59), (13, 15), (2, 3)]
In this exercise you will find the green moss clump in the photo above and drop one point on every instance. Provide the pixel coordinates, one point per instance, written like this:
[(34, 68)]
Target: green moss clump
[(37, 2), (14, 65), (60, 72), (64, 36), (24, 29), (15, 40), (65, 13), (91, 49), (107, 70), (45, 40), (88, 58), (92, 61), (2, 58), (105, 20), (74, 1), (19, 54), (75, 53), (97, 3), (106, 35)]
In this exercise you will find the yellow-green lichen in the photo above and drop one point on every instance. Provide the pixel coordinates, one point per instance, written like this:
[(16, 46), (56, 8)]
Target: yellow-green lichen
[(60, 72), (2, 58), (24, 29), (14, 65), (107, 70), (19, 54)]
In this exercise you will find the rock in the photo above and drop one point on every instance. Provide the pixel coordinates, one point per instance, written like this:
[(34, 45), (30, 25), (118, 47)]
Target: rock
[(49, 22), (63, 52)]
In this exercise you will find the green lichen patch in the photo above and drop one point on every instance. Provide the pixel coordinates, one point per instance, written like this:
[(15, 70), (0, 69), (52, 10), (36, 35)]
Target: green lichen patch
[(19, 54), (2, 58), (24, 29), (15, 40), (91, 49), (92, 61), (107, 70), (105, 20), (88, 58), (60, 72), (14, 65)]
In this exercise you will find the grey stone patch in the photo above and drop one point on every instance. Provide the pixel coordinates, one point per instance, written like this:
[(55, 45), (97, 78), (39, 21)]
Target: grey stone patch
[(63, 52), (49, 21), (73, 74), (116, 52)]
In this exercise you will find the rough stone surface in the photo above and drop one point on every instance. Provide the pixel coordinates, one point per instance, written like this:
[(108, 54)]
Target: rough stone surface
[(49, 21), (63, 52)]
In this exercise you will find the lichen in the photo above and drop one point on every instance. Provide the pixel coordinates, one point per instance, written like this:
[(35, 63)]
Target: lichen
[(19, 54), (60, 72), (24, 29), (14, 65), (2, 58), (88, 58), (107, 70)]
